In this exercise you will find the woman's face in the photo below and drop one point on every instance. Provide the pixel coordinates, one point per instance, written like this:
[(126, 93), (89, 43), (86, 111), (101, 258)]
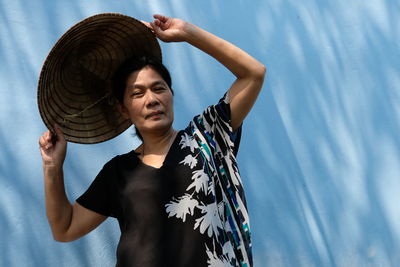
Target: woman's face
[(148, 101)]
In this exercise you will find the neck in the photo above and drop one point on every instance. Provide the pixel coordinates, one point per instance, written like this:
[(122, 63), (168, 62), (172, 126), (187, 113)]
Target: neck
[(157, 143)]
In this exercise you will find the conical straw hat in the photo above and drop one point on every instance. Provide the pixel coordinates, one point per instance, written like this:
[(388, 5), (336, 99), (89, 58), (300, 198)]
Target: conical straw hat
[(74, 89)]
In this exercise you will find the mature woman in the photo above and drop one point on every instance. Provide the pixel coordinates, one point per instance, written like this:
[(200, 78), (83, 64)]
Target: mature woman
[(178, 196)]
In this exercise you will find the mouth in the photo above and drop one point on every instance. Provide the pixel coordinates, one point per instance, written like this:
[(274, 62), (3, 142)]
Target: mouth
[(155, 114)]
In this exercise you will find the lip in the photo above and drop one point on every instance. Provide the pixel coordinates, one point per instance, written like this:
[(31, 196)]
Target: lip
[(154, 114)]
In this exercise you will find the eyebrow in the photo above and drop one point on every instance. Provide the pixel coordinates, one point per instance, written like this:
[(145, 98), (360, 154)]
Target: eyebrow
[(134, 86)]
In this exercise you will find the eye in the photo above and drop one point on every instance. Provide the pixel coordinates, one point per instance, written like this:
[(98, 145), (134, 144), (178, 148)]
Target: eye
[(159, 89), (136, 94)]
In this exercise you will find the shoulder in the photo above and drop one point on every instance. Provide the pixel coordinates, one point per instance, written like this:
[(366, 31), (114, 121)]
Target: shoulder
[(121, 159), (213, 127)]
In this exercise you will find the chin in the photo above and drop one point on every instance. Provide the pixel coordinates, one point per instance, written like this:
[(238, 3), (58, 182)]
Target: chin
[(157, 126)]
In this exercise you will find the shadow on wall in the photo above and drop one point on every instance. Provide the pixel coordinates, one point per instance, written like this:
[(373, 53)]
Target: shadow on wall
[(25, 236), (332, 76)]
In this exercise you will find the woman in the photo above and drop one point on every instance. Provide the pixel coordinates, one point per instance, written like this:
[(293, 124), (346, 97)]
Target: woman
[(178, 196)]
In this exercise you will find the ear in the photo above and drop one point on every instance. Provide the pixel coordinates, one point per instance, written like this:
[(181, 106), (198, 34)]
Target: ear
[(123, 110)]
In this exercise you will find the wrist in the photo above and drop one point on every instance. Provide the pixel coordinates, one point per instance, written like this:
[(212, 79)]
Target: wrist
[(189, 32), (52, 169)]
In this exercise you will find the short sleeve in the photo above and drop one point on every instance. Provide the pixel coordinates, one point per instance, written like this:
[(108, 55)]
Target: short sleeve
[(216, 120), (101, 194), (219, 145)]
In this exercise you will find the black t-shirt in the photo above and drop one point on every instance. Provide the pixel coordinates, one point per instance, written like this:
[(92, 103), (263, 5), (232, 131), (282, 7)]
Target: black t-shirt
[(189, 212), (136, 194)]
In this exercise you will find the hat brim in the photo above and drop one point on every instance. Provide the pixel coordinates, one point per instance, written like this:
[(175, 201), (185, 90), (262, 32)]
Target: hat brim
[(74, 89)]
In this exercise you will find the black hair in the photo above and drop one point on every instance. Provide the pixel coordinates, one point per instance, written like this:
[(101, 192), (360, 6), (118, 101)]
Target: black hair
[(135, 64)]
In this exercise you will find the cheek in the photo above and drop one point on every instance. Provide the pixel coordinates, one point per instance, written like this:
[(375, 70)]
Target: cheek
[(131, 108), (170, 105), (169, 100), (171, 108)]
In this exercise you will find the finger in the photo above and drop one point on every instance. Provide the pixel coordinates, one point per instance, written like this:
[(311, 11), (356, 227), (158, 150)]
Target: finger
[(159, 24), (49, 139), (157, 29), (44, 143), (153, 26), (58, 131), (147, 24), (160, 17), (47, 136), (162, 22)]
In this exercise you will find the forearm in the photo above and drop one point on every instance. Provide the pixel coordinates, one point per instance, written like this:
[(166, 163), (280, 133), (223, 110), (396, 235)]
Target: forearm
[(241, 64), (248, 71), (58, 208)]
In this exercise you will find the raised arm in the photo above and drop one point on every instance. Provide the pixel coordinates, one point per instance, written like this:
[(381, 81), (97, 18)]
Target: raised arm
[(248, 71), (68, 222)]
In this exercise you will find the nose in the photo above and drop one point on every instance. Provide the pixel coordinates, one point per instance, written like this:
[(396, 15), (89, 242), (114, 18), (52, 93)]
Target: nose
[(151, 99)]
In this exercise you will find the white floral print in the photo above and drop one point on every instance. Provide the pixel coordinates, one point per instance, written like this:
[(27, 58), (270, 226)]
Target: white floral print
[(214, 260), (181, 207), (214, 199), (200, 181), (187, 141), (210, 221), (189, 160)]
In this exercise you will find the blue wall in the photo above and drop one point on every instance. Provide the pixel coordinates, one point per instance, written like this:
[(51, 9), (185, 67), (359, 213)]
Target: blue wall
[(320, 155)]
